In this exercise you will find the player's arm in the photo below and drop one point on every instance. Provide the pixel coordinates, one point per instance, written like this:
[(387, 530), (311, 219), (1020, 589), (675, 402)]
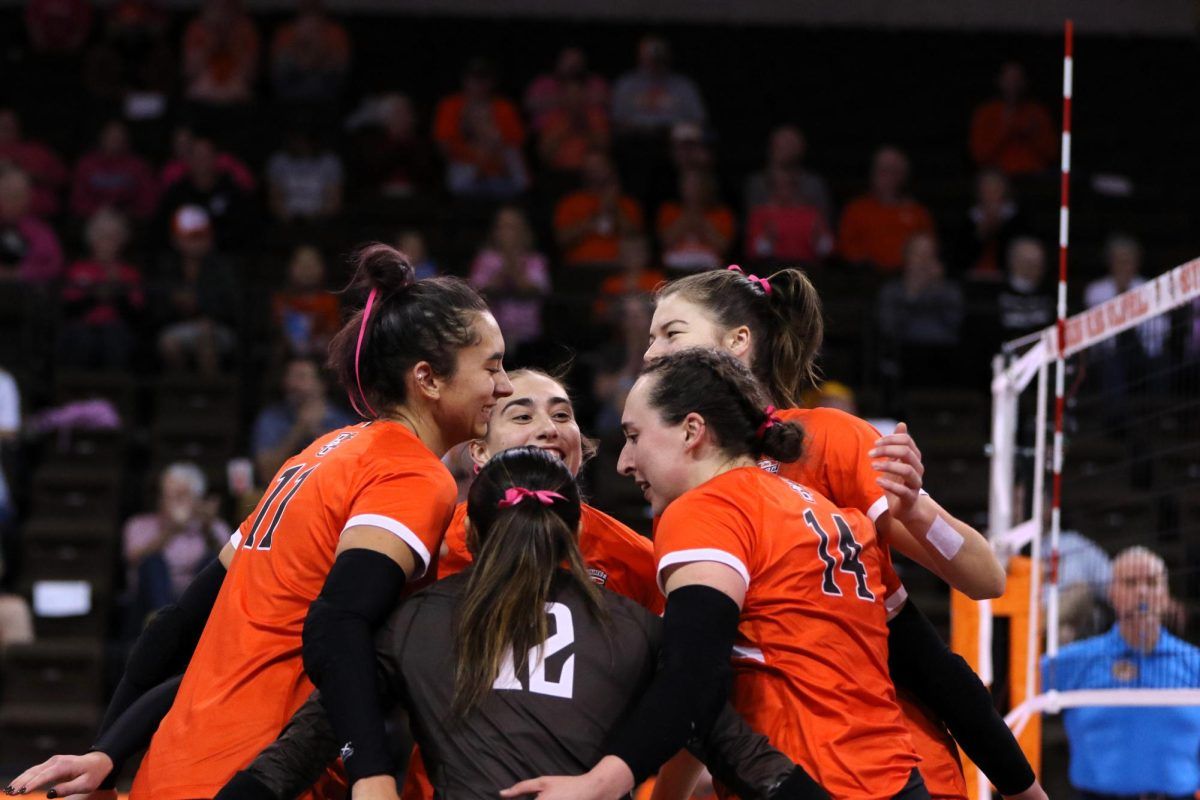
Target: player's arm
[(922, 663)]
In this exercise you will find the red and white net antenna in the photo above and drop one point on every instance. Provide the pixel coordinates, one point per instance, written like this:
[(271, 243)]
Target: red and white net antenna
[(1064, 223)]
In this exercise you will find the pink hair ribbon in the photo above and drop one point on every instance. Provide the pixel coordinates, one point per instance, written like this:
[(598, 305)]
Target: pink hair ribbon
[(763, 283), (362, 332), (515, 494), (770, 422)]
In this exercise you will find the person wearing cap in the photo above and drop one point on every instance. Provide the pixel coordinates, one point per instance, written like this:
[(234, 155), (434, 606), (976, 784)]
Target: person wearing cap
[(196, 298), (1126, 752), (224, 199)]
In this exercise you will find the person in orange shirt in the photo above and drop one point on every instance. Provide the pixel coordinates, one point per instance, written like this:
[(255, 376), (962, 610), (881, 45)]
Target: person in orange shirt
[(875, 226), (305, 314), (762, 566), (343, 528), (589, 223), (697, 230), (1013, 133), (775, 325)]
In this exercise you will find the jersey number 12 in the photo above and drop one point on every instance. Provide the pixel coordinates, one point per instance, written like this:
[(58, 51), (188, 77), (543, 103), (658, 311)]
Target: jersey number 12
[(563, 637)]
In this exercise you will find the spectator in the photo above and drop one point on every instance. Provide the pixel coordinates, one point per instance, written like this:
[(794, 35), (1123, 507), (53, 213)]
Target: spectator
[(45, 169), (306, 314), (620, 362), (875, 226), (411, 242), (29, 250), (304, 183), (1013, 133), (390, 156), (1024, 303), (1131, 751), (10, 440), (132, 63), (1084, 575), (991, 224), (196, 297), (652, 98), (546, 94), (102, 300), (58, 26), (113, 175), (166, 548), (637, 277), (690, 148), (589, 223), (786, 150), (480, 135), (784, 227), (226, 204), (695, 232), (574, 126), (220, 55), (513, 276), (303, 414), (920, 315), (183, 144), (310, 56)]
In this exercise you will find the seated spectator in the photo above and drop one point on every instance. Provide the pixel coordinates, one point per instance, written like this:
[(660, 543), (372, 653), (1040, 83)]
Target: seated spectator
[(46, 171), (226, 203), (1013, 133), (132, 62), (29, 250), (58, 26), (991, 224), (480, 135), (652, 98), (875, 226), (786, 150), (637, 277), (546, 94), (220, 55), (183, 143), (589, 223), (304, 183), (306, 314), (196, 297), (785, 228), (304, 413), (920, 317), (411, 242), (113, 175), (690, 148), (166, 548), (620, 362), (102, 300), (571, 128), (10, 443), (310, 56), (1024, 303), (696, 231), (513, 276), (390, 156)]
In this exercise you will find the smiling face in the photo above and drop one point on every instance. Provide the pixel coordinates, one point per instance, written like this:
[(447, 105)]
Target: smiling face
[(655, 455), (538, 413), (466, 399), (679, 323)]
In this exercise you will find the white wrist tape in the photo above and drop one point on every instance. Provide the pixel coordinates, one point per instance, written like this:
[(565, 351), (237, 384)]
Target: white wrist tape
[(944, 538)]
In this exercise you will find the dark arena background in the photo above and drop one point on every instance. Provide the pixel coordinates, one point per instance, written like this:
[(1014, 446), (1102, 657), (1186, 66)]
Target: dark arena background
[(182, 185)]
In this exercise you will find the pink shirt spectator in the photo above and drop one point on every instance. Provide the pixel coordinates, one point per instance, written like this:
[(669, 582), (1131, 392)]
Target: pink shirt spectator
[(186, 553), (787, 232), (544, 96), (515, 300), (177, 169), (47, 171), (43, 261), (123, 181), (82, 280)]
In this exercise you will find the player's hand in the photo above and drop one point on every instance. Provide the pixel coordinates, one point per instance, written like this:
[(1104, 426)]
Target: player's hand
[(64, 775), (608, 780), (898, 461)]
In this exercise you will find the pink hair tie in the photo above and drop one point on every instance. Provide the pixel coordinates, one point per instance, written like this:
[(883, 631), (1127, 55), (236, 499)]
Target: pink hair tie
[(770, 422), (515, 494), (763, 283), (362, 332)]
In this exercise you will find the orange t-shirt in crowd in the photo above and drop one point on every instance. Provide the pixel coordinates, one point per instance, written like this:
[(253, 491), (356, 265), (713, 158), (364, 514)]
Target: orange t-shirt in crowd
[(617, 286), (246, 678), (448, 129), (876, 233), (573, 137), (599, 246), (835, 464), (810, 659), (1018, 141), (320, 308), (687, 252)]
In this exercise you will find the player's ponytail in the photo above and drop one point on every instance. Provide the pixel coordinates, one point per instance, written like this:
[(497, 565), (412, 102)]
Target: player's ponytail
[(524, 512), (403, 321), (723, 392)]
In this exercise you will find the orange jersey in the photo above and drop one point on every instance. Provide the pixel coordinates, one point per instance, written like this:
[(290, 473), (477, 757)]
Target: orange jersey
[(810, 661), (835, 463), (618, 558), (246, 678)]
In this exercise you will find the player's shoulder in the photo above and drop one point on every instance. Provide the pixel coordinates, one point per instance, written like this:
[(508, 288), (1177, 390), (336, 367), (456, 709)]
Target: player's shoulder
[(828, 422), (612, 532), (629, 613)]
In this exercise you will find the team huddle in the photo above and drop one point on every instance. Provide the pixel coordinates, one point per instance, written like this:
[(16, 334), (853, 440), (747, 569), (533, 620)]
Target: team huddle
[(763, 633)]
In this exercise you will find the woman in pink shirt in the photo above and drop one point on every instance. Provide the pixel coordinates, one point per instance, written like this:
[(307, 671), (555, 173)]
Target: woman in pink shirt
[(513, 276)]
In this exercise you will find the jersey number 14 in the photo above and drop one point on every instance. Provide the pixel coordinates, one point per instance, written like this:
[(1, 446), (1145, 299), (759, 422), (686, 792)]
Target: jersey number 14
[(851, 552)]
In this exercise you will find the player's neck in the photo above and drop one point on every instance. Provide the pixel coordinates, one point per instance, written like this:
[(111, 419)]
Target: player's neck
[(421, 426), (706, 470)]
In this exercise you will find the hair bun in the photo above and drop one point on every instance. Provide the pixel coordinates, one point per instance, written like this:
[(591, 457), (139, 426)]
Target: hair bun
[(385, 268), (783, 441)]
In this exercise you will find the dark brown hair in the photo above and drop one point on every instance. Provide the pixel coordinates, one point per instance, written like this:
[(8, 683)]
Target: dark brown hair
[(518, 551), (718, 387), (588, 445), (786, 324), (411, 321)]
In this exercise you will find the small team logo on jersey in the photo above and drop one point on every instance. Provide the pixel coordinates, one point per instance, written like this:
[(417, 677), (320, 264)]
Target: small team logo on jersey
[(598, 575), (341, 437), (1124, 670), (800, 490), (769, 464)]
